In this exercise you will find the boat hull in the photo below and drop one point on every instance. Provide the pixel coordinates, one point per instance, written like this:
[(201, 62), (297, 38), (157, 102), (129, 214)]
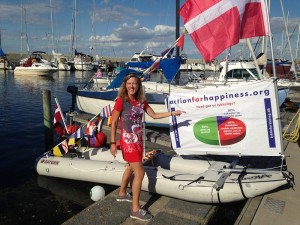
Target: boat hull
[(83, 66), (283, 70), (38, 70), (93, 101), (204, 186)]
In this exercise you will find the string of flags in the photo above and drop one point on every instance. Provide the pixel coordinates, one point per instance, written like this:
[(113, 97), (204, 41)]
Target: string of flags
[(94, 125)]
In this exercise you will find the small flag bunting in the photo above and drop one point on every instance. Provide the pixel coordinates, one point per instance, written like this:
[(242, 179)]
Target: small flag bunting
[(77, 134), (106, 111), (60, 149)]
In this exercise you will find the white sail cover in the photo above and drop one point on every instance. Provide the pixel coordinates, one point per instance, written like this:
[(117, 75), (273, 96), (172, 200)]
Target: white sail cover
[(227, 120)]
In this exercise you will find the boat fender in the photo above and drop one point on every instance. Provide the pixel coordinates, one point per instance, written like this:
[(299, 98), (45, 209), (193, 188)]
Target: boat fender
[(99, 140), (71, 129)]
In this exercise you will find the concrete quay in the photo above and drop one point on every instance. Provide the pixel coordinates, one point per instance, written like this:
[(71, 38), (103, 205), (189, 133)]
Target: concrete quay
[(279, 207)]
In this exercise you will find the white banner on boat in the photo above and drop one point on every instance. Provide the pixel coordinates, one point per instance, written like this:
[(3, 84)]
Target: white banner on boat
[(224, 120)]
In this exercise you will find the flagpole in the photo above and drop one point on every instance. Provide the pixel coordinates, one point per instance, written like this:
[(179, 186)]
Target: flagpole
[(62, 116), (144, 130)]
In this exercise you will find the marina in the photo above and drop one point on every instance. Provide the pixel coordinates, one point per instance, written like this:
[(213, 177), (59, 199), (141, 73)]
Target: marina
[(26, 197), (33, 87), (226, 152)]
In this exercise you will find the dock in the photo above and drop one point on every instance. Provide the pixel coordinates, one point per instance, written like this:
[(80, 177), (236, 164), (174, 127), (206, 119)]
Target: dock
[(279, 207), (276, 208)]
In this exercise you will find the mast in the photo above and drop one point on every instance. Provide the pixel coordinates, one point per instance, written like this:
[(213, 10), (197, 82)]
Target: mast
[(177, 24), (297, 43), (73, 43), (268, 2), (93, 30), (288, 39), (22, 31), (51, 18), (177, 36)]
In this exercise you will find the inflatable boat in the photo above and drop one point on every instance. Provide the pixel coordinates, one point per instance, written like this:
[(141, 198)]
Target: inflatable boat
[(188, 178)]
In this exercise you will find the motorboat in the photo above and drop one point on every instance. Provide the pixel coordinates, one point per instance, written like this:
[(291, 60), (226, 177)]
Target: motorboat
[(35, 65), (60, 61), (142, 60)]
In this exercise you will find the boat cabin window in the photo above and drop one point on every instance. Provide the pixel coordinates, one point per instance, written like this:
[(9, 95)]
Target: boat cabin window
[(241, 74), (146, 59), (255, 73)]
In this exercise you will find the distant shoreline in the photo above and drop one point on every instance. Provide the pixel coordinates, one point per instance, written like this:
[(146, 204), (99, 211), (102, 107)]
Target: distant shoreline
[(16, 57)]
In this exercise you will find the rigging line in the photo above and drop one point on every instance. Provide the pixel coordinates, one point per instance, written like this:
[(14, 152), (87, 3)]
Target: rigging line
[(295, 27)]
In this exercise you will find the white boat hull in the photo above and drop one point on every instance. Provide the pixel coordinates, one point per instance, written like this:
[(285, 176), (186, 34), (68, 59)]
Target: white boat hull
[(201, 184), (93, 105), (5, 66), (83, 66), (34, 71), (101, 82)]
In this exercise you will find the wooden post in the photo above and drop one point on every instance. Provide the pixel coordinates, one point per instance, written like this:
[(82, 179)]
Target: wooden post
[(47, 120)]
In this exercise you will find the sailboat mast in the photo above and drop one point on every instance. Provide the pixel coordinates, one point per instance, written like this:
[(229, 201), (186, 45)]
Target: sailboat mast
[(297, 43), (21, 31), (288, 39), (93, 30), (51, 18), (73, 28), (271, 39)]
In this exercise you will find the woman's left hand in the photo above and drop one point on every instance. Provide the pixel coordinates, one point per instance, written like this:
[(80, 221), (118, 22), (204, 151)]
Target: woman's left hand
[(177, 112)]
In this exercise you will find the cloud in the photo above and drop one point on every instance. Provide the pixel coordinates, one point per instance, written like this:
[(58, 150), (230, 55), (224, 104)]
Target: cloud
[(116, 13)]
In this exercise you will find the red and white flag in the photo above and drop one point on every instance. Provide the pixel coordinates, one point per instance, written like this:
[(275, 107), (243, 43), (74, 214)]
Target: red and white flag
[(59, 120), (215, 25)]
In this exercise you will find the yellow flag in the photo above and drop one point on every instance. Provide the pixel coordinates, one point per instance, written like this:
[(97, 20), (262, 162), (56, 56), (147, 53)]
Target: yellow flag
[(109, 121), (60, 149)]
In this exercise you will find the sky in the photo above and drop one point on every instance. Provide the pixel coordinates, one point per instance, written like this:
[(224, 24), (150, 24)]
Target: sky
[(117, 28)]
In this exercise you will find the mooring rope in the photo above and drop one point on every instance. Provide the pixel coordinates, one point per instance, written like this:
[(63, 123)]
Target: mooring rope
[(293, 136)]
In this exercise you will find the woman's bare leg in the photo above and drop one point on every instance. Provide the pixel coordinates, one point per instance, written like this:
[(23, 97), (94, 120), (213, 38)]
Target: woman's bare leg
[(139, 172), (126, 178)]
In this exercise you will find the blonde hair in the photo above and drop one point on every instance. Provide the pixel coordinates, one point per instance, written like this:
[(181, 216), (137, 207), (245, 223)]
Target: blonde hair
[(139, 95)]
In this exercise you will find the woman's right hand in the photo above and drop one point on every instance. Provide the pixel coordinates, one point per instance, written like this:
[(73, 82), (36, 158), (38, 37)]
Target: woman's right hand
[(113, 150)]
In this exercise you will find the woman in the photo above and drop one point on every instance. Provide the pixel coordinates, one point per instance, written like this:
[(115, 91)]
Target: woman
[(129, 107)]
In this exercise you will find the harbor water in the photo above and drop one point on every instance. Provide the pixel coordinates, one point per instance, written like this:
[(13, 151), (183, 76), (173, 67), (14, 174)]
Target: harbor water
[(25, 197)]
